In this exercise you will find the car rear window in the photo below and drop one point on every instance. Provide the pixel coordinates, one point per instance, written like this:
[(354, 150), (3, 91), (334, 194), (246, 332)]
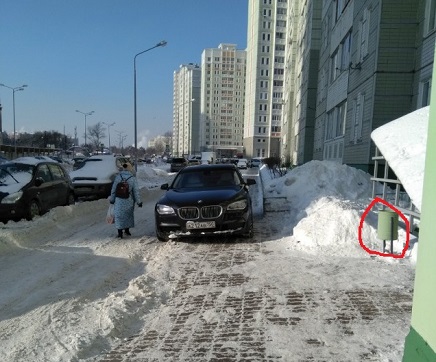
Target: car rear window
[(178, 160)]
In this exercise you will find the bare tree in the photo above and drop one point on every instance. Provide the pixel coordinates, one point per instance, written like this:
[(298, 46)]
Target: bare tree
[(160, 146), (96, 134)]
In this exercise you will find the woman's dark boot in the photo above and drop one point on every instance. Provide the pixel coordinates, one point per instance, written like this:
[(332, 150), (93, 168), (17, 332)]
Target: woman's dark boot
[(127, 231), (120, 233)]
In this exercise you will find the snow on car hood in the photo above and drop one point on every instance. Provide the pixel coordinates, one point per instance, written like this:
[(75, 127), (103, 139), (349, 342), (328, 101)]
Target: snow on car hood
[(10, 185)]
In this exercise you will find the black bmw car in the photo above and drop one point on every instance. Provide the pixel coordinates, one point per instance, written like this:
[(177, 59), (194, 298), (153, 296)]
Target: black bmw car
[(204, 200)]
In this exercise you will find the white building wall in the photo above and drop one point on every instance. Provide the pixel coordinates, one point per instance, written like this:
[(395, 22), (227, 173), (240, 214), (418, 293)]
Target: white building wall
[(222, 100), (186, 109), (266, 54)]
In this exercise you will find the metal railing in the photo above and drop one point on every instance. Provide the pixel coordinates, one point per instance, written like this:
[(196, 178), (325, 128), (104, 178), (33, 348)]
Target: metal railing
[(393, 192)]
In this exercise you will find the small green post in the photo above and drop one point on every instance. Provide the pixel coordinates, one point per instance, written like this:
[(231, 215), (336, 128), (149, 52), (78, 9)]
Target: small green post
[(387, 227)]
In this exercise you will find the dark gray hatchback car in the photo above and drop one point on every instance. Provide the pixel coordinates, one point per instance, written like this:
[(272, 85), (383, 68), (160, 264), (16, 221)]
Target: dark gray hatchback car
[(30, 186), (178, 163)]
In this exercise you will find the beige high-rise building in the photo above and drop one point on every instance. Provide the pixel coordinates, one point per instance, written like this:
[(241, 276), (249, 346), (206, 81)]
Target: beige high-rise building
[(222, 100), (264, 99)]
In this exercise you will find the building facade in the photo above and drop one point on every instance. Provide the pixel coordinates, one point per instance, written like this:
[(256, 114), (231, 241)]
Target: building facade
[(305, 37), (222, 100), (375, 66), (264, 99), (186, 110)]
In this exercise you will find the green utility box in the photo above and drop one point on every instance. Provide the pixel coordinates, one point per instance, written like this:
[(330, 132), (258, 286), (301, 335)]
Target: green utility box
[(387, 228)]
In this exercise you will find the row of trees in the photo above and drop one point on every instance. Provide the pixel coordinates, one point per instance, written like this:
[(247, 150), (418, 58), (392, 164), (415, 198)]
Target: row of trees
[(95, 136)]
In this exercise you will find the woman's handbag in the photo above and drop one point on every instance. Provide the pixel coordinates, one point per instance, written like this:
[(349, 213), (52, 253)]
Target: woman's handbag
[(110, 217)]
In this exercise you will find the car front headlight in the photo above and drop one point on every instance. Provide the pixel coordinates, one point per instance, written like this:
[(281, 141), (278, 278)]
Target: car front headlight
[(164, 209), (238, 205), (12, 198)]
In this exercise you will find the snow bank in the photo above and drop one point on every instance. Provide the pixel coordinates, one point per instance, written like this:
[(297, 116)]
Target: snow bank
[(326, 202)]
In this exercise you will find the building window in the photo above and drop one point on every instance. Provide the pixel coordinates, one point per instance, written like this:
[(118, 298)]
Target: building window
[(325, 32), (430, 21), (357, 120), (340, 7), (329, 127), (346, 52), (362, 51), (334, 66), (341, 115), (336, 122), (425, 93)]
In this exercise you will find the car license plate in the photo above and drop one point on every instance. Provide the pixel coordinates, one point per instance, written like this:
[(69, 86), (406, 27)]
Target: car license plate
[(200, 225)]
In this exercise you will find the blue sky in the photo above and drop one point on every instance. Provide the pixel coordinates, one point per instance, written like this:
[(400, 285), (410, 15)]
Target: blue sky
[(78, 54)]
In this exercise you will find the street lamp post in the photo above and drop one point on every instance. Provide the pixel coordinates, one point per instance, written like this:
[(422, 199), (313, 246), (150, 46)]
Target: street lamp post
[(14, 89), (109, 132), (160, 44), (85, 114)]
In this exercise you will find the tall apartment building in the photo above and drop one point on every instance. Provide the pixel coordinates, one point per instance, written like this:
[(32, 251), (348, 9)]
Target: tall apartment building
[(186, 110), (266, 51), (222, 100), (370, 73), (304, 42)]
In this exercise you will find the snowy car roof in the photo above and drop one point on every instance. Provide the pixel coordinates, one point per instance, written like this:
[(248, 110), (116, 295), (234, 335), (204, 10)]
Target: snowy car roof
[(101, 165), (32, 160)]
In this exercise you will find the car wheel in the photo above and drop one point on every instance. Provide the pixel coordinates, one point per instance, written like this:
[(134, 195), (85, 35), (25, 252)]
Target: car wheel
[(71, 199), (33, 210), (249, 229), (161, 235)]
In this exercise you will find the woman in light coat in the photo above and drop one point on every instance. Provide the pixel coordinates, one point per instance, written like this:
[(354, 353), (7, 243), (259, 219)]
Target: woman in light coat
[(124, 208)]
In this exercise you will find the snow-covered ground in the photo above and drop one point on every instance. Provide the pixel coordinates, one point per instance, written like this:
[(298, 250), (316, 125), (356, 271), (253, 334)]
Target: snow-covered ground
[(70, 290)]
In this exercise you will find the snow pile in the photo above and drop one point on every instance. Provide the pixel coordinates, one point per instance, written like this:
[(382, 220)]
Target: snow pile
[(326, 203), (316, 179), (151, 176)]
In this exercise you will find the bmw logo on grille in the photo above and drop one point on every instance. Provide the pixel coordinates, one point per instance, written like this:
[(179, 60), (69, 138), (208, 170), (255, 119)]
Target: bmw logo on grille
[(200, 201)]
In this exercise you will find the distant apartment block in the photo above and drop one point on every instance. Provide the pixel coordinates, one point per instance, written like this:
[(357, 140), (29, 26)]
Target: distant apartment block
[(302, 60), (266, 51), (186, 110), (222, 100), (316, 79)]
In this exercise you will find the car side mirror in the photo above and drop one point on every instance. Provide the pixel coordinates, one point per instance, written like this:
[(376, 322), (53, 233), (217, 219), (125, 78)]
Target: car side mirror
[(39, 181), (164, 187)]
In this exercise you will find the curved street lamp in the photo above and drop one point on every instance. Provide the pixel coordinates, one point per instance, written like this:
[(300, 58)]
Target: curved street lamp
[(109, 125), (85, 114), (160, 44), (14, 89)]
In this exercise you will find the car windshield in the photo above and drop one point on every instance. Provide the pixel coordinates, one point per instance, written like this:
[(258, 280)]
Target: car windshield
[(206, 178), (13, 173)]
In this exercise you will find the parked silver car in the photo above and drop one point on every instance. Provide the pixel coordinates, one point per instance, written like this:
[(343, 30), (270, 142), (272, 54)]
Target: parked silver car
[(95, 177)]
